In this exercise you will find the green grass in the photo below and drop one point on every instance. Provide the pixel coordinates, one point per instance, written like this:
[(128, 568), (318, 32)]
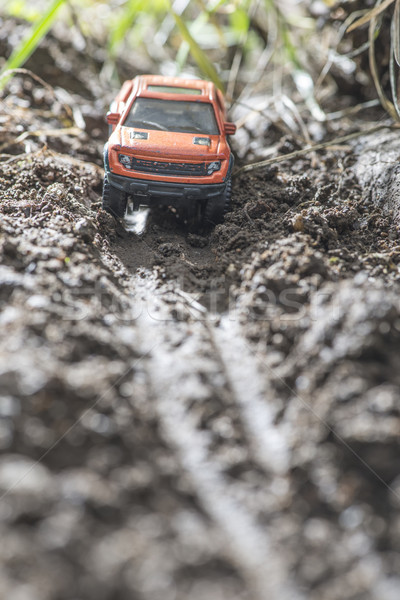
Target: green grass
[(30, 43), (203, 62), (221, 39), (200, 34)]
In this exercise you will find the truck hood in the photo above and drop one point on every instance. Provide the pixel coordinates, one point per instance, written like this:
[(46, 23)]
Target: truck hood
[(168, 144)]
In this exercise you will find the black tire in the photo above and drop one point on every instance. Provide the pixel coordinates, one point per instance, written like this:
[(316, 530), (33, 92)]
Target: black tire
[(217, 207), (114, 201), (193, 216)]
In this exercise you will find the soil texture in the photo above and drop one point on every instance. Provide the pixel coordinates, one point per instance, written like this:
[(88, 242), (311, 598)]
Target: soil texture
[(196, 414)]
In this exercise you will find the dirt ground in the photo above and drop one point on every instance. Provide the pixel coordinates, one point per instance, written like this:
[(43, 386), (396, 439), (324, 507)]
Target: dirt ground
[(210, 415)]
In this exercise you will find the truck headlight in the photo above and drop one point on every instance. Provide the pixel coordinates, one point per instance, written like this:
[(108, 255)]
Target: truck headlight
[(125, 160), (213, 166)]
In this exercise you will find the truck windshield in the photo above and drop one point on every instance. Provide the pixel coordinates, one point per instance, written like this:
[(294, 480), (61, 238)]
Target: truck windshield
[(172, 115)]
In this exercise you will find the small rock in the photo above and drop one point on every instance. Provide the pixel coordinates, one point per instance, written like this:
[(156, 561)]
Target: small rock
[(298, 223), (168, 249), (85, 229), (197, 241)]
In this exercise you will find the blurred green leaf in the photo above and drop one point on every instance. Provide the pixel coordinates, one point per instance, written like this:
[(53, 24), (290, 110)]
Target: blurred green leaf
[(22, 10), (128, 20), (123, 23), (239, 21), (202, 60), (28, 45)]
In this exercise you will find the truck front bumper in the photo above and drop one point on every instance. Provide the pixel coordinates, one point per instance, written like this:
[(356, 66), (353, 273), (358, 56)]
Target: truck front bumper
[(159, 192)]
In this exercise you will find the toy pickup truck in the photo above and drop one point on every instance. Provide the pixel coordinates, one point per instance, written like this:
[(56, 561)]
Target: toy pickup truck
[(168, 146)]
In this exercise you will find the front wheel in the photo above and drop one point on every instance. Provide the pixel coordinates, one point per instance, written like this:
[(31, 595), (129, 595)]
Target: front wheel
[(218, 206), (114, 201)]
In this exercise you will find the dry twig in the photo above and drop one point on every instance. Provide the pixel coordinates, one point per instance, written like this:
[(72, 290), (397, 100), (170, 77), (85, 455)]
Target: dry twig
[(335, 142)]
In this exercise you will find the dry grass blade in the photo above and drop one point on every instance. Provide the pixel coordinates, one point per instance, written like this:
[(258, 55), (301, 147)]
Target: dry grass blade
[(332, 143), (6, 74), (53, 133), (386, 103), (395, 37), (42, 82), (372, 14), (25, 156), (392, 68), (341, 32), (352, 110)]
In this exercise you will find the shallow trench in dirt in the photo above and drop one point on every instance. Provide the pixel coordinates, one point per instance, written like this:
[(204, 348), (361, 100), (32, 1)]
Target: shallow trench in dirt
[(200, 415)]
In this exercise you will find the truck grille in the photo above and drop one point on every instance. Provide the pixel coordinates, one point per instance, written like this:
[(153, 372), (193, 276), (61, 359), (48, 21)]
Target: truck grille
[(168, 168)]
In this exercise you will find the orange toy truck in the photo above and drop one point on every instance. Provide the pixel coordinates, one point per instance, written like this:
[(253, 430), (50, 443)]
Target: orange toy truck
[(168, 145)]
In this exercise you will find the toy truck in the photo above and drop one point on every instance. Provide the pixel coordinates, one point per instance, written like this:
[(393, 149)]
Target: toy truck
[(168, 145)]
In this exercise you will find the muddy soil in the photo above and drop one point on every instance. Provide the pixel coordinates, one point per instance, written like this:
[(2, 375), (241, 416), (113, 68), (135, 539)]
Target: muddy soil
[(205, 415)]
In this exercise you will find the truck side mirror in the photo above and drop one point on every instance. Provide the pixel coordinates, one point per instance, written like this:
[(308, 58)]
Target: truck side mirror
[(229, 128), (112, 118)]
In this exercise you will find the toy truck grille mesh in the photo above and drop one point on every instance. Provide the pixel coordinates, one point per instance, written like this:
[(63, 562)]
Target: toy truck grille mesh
[(168, 168)]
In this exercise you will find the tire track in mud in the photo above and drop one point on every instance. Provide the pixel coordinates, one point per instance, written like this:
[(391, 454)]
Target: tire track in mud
[(253, 396), (210, 400)]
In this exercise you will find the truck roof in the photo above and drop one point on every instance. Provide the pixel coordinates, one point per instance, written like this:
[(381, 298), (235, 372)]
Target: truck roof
[(158, 86)]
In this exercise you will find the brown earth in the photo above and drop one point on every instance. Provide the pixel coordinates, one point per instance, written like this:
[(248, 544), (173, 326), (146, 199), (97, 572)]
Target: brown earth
[(196, 415)]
